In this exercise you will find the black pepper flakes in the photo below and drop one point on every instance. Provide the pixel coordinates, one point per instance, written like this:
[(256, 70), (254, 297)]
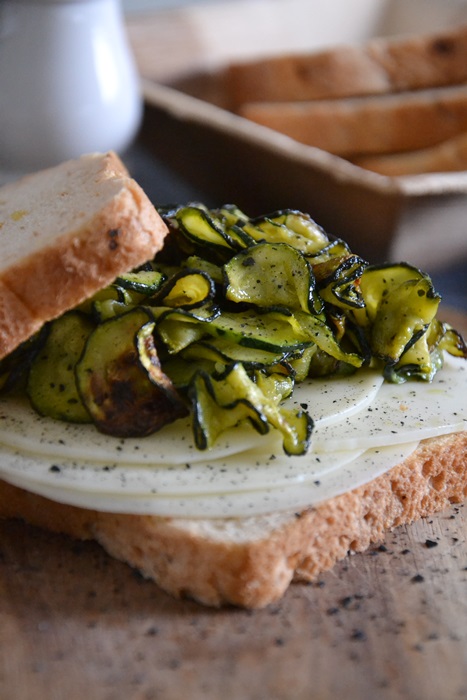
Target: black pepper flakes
[(418, 578), (430, 544), (346, 602), (358, 635)]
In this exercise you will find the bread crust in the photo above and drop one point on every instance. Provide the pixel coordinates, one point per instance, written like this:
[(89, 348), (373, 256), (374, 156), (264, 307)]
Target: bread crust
[(100, 224), (250, 562)]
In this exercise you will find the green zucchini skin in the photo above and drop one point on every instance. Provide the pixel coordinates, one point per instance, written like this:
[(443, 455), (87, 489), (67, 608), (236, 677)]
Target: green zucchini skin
[(15, 367), (234, 311), (51, 385), (143, 281)]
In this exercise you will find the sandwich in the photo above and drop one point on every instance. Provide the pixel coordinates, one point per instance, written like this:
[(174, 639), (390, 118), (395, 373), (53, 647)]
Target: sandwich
[(226, 403)]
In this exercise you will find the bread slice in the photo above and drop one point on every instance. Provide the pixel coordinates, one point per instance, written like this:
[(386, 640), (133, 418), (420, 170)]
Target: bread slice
[(448, 156), (251, 561), (380, 66), (65, 233), (368, 125)]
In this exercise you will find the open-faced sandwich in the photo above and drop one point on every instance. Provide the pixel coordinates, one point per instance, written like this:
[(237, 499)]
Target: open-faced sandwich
[(236, 412)]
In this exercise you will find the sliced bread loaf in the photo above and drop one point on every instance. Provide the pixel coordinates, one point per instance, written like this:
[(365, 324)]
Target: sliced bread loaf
[(367, 125)]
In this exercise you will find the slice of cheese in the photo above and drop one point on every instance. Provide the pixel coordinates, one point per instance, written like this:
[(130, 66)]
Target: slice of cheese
[(363, 428)]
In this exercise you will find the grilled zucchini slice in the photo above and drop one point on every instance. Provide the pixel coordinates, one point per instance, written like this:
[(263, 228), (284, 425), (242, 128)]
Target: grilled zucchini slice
[(220, 404), (51, 384), (272, 274), (120, 380)]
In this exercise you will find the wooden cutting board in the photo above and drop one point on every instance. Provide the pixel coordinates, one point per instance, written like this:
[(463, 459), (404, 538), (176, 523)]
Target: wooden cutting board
[(387, 624)]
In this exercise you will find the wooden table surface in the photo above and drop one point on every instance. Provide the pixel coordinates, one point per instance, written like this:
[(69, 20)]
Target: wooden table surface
[(387, 624)]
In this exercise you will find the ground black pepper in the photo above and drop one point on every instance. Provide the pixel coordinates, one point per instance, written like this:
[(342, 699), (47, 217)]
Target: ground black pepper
[(358, 635)]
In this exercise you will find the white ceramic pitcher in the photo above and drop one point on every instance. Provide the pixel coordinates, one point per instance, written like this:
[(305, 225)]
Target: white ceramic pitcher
[(68, 83)]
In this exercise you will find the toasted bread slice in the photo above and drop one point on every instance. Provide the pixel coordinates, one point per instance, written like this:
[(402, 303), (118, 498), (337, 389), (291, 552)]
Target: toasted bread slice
[(65, 233), (448, 156), (251, 561), (382, 65), (368, 125)]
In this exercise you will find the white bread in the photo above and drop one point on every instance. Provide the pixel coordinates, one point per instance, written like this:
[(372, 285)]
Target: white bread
[(65, 233), (368, 125), (250, 562), (381, 65), (448, 156)]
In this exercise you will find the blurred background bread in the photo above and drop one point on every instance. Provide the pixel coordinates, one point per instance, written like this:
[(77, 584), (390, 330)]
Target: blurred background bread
[(402, 98)]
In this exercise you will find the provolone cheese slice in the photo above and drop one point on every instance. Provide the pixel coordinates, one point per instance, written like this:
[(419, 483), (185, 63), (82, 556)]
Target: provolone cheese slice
[(246, 474), (236, 503)]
